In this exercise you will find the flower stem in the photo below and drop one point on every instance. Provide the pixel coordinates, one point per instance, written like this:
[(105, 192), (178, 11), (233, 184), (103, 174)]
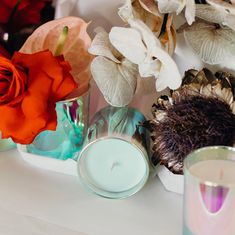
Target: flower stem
[(61, 41)]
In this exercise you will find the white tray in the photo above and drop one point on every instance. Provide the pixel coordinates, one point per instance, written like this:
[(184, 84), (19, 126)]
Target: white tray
[(171, 182), (68, 166)]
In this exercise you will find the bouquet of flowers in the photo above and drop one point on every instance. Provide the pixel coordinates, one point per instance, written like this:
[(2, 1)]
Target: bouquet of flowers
[(52, 64)]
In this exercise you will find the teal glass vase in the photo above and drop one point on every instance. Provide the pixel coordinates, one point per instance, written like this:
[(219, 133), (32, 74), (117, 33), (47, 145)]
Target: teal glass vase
[(6, 144), (67, 140)]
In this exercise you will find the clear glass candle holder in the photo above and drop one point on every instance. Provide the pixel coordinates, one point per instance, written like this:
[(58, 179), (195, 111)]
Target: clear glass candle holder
[(67, 139), (209, 194), (114, 162)]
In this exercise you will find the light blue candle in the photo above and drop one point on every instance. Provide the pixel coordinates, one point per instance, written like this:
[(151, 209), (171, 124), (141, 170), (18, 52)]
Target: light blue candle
[(114, 165), (114, 162)]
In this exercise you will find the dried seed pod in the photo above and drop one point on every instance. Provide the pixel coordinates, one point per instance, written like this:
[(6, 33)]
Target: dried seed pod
[(200, 113)]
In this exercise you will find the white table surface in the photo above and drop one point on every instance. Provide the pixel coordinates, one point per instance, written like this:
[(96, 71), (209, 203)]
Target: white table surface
[(34, 201)]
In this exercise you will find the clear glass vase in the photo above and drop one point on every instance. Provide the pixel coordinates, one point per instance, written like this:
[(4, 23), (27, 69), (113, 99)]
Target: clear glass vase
[(67, 139)]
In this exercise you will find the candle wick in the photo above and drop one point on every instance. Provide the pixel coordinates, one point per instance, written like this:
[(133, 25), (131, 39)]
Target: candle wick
[(221, 175), (114, 164)]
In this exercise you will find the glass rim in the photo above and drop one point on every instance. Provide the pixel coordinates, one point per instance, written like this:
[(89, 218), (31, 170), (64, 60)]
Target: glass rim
[(197, 151), (108, 194), (107, 107)]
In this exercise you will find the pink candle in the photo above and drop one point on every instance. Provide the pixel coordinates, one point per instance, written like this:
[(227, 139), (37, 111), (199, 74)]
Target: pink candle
[(209, 205)]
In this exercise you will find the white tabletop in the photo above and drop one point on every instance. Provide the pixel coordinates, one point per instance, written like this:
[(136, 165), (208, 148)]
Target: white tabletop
[(34, 201)]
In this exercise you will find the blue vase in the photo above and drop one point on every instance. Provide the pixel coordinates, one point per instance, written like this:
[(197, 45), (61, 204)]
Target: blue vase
[(67, 139), (6, 144)]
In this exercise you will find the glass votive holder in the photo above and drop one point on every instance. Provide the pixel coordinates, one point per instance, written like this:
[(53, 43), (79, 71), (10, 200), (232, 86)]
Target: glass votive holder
[(209, 194), (114, 162), (67, 139)]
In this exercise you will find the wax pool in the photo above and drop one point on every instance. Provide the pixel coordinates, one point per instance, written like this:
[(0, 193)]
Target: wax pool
[(210, 198), (215, 171), (113, 165)]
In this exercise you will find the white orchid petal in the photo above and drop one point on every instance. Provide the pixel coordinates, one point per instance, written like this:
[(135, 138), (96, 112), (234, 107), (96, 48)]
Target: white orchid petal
[(168, 71), (149, 68), (117, 82), (230, 21), (169, 75), (215, 15), (160, 85), (181, 6), (190, 11), (210, 14), (129, 43), (101, 46), (125, 12), (225, 9), (144, 10), (147, 35), (222, 5), (170, 6), (211, 44)]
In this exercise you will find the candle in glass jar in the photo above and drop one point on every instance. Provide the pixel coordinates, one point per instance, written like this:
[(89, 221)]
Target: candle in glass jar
[(210, 192), (114, 166), (114, 161)]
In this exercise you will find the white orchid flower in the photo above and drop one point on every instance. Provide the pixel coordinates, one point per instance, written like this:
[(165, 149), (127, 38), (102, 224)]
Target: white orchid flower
[(226, 10), (209, 37), (115, 75), (171, 6), (147, 11), (139, 45)]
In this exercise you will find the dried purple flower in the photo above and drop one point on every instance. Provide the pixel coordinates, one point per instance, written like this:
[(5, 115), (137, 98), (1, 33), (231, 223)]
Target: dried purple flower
[(198, 114)]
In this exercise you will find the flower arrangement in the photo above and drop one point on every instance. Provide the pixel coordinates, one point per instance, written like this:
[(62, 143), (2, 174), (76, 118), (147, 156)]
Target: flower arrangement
[(52, 65), (122, 60), (143, 50)]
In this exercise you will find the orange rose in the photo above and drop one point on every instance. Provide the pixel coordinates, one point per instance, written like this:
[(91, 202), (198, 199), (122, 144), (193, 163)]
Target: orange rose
[(30, 85)]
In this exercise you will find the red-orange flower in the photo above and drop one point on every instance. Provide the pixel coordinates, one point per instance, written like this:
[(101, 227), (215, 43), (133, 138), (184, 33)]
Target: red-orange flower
[(30, 85)]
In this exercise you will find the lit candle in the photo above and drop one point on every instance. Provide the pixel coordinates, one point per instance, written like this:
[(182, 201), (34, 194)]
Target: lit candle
[(210, 192), (114, 163)]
